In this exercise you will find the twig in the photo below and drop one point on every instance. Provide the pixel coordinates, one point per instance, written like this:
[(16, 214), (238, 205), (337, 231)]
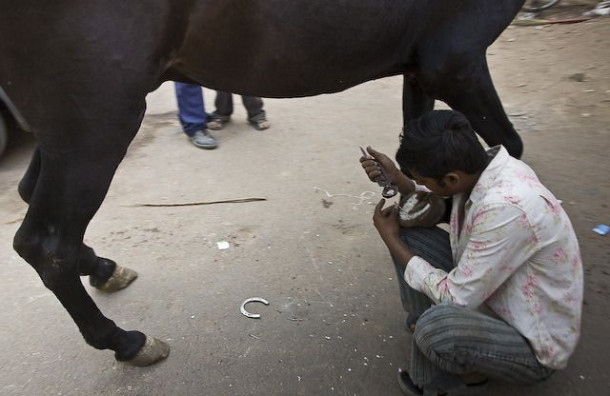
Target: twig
[(234, 200), (536, 22)]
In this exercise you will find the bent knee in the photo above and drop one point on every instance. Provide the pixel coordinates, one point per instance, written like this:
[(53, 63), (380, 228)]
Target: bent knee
[(437, 314), (54, 264), (438, 320), (26, 244)]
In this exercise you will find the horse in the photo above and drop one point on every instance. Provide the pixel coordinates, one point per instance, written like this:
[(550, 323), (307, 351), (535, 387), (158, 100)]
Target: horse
[(76, 74)]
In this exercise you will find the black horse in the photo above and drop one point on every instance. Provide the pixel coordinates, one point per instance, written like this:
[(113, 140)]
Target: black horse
[(76, 74)]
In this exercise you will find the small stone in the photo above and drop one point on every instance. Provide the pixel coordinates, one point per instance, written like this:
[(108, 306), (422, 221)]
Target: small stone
[(578, 77)]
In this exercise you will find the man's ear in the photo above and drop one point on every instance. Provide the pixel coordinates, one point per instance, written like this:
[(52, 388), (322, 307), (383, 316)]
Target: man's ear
[(452, 179)]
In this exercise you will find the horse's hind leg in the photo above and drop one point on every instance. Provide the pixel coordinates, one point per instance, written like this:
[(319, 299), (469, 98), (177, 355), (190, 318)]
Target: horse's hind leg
[(415, 101), (104, 274), (476, 97), (462, 80), (73, 179)]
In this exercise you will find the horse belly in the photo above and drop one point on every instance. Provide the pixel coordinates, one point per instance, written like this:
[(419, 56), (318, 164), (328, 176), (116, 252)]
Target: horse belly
[(299, 49)]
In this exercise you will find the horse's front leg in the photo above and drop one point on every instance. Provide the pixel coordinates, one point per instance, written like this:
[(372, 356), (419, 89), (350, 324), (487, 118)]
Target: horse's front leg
[(104, 274), (69, 177), (69, 190)]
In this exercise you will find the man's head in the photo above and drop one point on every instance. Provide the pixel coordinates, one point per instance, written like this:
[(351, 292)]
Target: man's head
[(441, 150)]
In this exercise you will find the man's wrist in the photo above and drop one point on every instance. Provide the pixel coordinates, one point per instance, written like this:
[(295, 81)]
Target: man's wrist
[(399, 250), (407, 258), (405, 185), (391, 240)]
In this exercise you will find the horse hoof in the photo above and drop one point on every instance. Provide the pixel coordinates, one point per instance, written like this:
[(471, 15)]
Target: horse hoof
[(153, 351), (120, 279)]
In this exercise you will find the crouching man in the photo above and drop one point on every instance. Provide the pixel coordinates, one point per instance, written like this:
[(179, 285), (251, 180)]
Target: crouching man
[(500, 294)]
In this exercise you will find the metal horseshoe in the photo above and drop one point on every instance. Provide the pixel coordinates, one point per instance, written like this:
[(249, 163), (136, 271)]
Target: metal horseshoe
[(253, 299)]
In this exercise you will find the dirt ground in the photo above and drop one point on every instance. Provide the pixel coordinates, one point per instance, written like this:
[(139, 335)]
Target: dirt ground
[(334, 323)]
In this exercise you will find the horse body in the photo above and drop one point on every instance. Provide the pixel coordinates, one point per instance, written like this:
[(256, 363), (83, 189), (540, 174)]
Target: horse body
[(78, 73), (312, 48), (296, 51)]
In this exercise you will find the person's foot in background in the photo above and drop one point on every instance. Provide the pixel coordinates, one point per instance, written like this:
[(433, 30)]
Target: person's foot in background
[(204, 139)]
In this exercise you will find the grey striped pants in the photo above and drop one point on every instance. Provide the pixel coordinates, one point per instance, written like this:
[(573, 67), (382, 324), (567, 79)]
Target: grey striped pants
[(454, 340)]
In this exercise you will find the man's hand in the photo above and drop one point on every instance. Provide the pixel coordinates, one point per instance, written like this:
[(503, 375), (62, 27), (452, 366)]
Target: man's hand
[(386, 221), (371, 165)]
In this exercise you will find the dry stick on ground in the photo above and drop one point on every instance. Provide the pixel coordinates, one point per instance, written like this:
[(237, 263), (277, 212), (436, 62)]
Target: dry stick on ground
[(233, 200), (536, 22)]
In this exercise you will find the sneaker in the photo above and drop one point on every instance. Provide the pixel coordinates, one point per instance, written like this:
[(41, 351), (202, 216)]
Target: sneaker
[(203, 139), (217, 121)]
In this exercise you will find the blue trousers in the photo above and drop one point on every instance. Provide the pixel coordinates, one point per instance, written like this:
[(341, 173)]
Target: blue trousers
[(191, 108), (451, 340)]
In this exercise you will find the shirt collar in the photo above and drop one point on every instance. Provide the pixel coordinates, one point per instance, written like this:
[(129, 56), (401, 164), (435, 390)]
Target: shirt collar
[(499, 158)]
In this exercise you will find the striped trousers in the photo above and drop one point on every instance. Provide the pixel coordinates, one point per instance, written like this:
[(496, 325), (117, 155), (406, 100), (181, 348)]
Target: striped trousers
[(451, 340)]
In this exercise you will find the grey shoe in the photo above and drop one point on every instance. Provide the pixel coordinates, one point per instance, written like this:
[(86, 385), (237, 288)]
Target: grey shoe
[(203, 139)]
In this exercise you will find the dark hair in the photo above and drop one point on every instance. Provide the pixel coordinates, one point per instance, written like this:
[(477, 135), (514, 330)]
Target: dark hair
[(439, 142)]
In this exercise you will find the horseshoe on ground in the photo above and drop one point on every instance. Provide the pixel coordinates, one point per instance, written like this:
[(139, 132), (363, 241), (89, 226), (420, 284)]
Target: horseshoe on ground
[(253, 299)]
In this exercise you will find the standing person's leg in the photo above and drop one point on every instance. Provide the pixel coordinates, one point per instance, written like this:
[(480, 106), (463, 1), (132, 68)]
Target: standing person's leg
[(257, 117), (191, 108), (431, 244), (192, 115), (450, 341), (253, 105), (224, 109), (224, 103)]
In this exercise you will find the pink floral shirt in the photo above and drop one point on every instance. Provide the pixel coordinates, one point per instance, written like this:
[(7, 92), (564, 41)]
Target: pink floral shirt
[(517, 253)]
